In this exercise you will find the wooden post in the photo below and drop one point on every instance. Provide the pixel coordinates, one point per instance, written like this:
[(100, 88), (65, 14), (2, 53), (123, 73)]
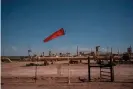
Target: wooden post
[(80, 61), (69, 77), (100, 70), (100, 73), (112, 69), (89, 76), (59, 70), (36, 70), (68, 72)]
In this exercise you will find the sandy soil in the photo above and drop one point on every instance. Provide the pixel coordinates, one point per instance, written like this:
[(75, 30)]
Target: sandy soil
[(16, 76)]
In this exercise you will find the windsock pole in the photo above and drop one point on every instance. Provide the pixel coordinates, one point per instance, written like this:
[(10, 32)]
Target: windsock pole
[(69, 68)]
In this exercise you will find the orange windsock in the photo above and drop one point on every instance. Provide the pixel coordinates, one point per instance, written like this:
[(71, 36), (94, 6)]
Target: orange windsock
[(56, 34)]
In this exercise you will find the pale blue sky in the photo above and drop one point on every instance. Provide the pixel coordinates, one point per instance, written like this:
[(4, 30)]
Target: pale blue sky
[(87, 23)]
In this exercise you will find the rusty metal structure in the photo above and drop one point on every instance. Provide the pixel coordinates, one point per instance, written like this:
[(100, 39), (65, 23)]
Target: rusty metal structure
[(104, 74)]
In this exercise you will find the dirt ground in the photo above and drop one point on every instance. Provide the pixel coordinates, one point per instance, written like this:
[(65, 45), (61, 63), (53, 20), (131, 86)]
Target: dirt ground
[(16, 76)]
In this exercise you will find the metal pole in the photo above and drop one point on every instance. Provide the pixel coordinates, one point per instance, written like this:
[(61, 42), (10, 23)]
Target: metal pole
[(89, 76), (112, 70), (29, 50), (77, 50), (107, 50), (43, 54), (3, 51), (118, 51), (36, 70), (59, 70), (68, 72), (111, 50), (100, 73)]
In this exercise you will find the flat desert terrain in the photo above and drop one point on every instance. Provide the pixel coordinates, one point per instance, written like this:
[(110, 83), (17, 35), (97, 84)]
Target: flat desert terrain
[(16, 75)]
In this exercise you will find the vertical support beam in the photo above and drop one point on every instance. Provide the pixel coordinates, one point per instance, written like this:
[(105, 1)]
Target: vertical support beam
[(100, 73), (111, 51), (69, 71), (29, 53), (89, 76), (112, 69), (77, 51), (107, 51), (80, 61), (43, 54), (118, 52), (100, 70), (59, 70), (50, 53), (3, 51), (97, 51), (36, 69)]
